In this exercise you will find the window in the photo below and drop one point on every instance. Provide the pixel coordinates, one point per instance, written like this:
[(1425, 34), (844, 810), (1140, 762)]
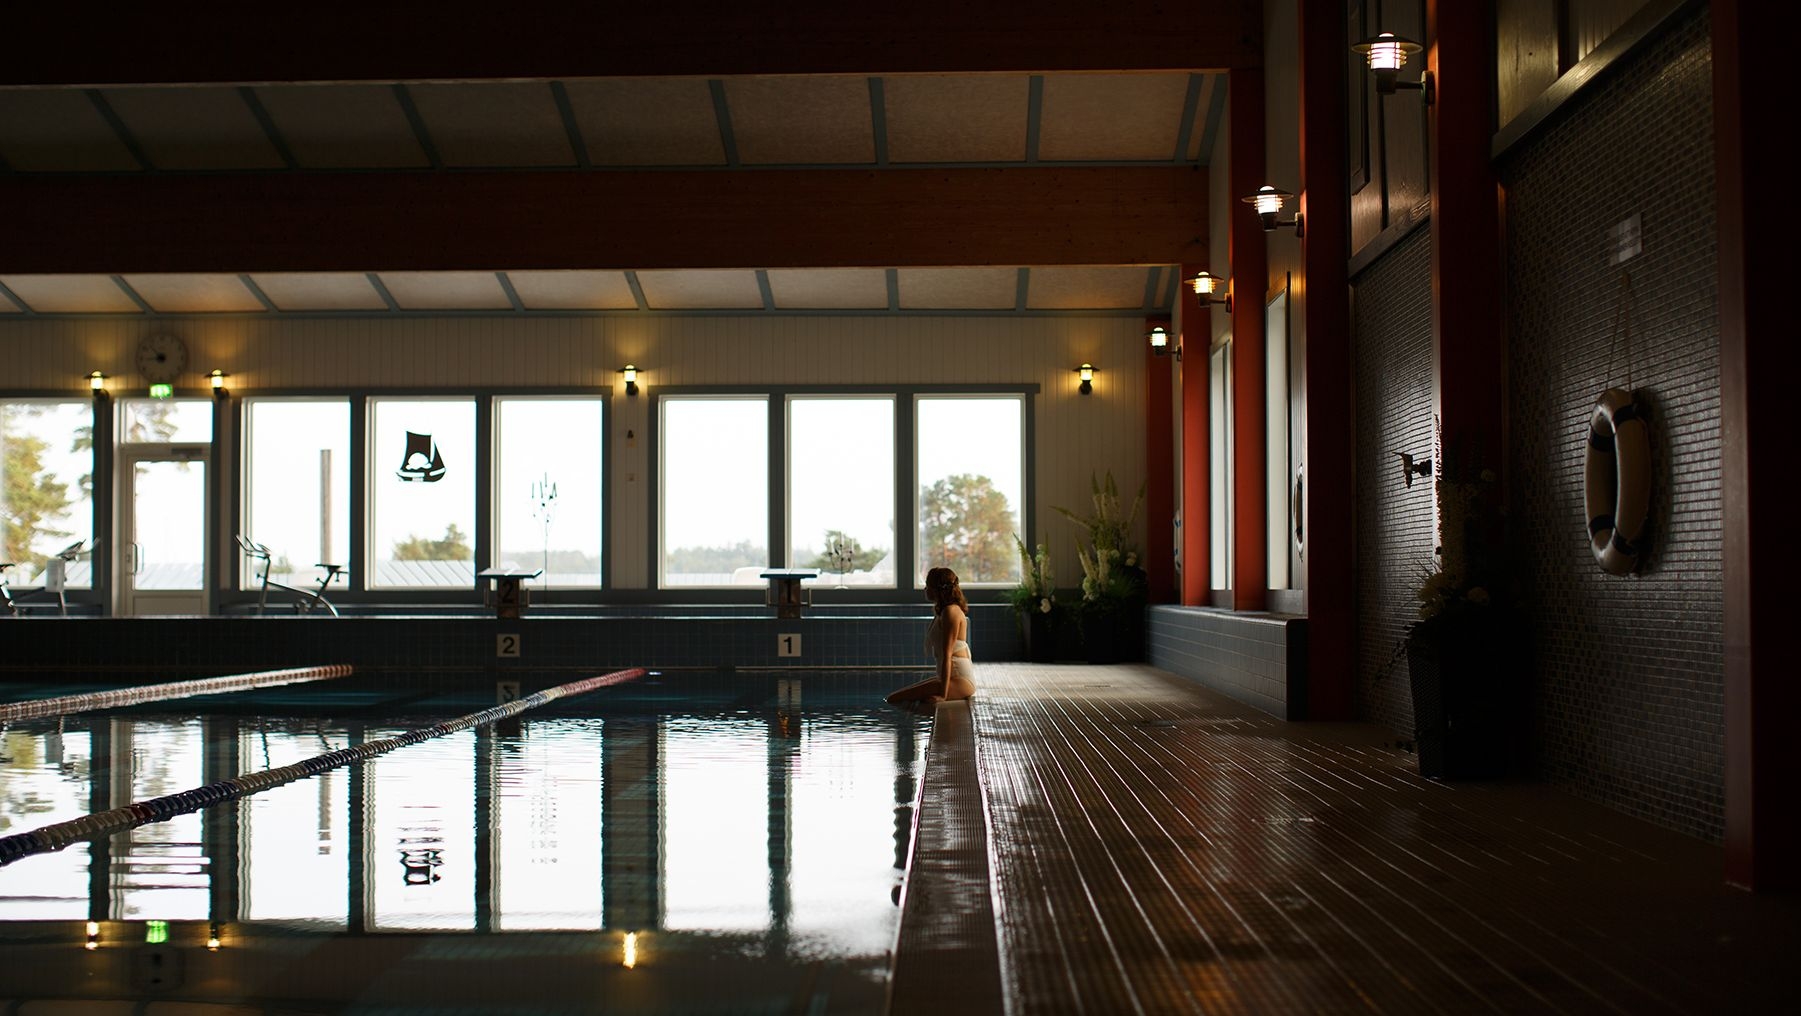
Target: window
[(46, 499), (841, 488), (548, 508), (1219, 430), (422, 493), (296, 486), (1275, 402), (713, 504), (166, 421), (970, 482)]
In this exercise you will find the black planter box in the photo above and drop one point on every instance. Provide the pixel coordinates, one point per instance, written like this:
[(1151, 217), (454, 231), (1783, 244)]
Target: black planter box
[(1464, 694)]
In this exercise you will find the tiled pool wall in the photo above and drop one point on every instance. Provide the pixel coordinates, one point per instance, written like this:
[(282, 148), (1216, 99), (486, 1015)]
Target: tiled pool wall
[(634, 636), (1258, 659)]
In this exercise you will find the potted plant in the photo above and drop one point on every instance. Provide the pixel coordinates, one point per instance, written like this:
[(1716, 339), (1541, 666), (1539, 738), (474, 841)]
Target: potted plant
[(1035, 603), (1458, 653), (1113, 585)]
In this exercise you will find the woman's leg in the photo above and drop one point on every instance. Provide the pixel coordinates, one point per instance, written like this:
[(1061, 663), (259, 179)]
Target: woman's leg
[(927, 689)]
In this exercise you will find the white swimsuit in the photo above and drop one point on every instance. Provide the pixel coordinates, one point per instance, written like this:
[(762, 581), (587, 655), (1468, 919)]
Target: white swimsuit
[(962, 665)]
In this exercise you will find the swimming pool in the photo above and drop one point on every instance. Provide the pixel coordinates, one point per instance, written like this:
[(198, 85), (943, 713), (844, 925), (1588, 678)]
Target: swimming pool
[(690, 842)]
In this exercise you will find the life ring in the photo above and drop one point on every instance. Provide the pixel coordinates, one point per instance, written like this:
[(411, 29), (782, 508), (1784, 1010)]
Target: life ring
[(1617, 482)]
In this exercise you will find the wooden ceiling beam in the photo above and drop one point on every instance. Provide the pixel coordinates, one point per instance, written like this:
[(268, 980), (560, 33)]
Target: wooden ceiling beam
[(426, 221), (69, 44)]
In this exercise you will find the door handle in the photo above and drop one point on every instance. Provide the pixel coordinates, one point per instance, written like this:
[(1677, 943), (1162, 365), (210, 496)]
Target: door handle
[(137, 559)]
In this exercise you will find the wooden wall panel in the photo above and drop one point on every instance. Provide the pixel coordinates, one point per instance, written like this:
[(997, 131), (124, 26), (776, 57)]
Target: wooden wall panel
[(1076, 436), (1590, 22), (1526, 53)]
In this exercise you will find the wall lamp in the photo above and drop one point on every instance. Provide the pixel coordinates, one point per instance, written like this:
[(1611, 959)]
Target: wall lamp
[(1086, 371), (97, 382), (1207, 290), (1268, 201), (1387, 54), (1411, 468), (1159, 336), (631, 379), (217, 379)]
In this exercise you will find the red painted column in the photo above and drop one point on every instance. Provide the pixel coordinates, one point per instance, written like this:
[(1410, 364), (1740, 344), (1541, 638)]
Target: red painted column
[(1194, 336), (1160, 467), (1250, 283), (1758, 358), (1328, 445), (1469, 354)]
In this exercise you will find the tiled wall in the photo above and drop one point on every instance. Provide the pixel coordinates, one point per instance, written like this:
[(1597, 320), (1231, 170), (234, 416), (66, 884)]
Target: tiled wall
[(1392, 326), (1629, 671), (1258, 659), (169, 648)]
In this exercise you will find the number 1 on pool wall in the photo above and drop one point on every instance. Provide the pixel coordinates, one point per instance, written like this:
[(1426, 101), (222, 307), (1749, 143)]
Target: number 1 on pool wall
[(787, 645)]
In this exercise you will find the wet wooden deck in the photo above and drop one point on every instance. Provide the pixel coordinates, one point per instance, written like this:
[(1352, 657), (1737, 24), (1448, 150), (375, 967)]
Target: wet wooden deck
[(1155, 847)]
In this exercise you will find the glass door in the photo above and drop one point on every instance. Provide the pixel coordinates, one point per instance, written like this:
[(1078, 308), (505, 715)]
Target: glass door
[(162, 557)]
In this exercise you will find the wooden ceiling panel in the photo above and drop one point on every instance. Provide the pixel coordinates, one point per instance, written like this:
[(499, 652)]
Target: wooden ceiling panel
[(58, 130), (343, 126), (446, 290), (573, 290), (801, 120), (194, 293), (513, 123), (71, 294), (1095, 117), (700, 290), (957, 117), (647, 121), (1213, 87), (194, 128), (958, 288), (841, 288), (303, 291), (1087, 288)]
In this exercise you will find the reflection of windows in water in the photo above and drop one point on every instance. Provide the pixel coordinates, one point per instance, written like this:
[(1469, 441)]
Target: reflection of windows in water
[(421, 860)]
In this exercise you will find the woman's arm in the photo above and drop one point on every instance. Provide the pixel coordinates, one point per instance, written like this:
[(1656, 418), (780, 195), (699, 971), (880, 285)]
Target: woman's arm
[(953, 623)]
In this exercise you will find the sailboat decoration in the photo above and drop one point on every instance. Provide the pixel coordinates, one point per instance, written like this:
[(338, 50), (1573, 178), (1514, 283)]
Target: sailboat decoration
[(422, 461)]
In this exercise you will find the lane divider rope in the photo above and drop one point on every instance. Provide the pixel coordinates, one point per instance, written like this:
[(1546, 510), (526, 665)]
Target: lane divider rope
[(63, 705), (106, 823)]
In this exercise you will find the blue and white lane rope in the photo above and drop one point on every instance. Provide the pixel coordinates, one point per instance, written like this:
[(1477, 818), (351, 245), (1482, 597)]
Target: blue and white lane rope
[(86, 702), (106, 823)]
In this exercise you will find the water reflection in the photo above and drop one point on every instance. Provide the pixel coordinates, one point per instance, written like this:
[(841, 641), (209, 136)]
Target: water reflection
[(783, 824)]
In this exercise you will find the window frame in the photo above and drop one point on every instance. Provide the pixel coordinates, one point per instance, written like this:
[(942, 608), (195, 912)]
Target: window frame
[(540, 592), (100, 492), (232, 597), (906, 517)]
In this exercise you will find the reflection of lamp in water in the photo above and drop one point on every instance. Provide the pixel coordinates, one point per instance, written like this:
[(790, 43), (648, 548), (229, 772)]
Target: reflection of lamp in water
[(629, 959)]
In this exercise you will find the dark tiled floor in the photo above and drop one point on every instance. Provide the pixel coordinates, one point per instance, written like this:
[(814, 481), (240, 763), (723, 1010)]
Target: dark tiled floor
[(1159, 848)]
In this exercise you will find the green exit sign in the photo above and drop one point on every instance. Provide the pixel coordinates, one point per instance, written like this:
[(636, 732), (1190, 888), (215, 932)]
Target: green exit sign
[(156, 932), (162, 391)]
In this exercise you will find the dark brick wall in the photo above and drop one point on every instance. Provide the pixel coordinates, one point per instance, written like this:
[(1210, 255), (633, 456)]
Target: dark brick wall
[(1628, 672), (1392, 345)]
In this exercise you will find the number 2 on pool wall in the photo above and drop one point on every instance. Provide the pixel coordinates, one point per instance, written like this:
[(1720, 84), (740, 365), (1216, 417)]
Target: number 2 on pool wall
[(787, 645), (506, 645)]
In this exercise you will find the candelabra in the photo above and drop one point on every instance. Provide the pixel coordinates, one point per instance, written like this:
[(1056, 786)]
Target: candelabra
[(841, 550), (544, 509)]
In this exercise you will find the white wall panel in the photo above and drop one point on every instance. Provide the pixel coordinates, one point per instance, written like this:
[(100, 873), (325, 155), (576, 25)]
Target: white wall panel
[(1077, 435)]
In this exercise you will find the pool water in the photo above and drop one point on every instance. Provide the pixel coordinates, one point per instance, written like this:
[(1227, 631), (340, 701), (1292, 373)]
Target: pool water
[(727, 843)]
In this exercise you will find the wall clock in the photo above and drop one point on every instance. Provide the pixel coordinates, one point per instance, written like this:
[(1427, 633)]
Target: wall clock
[(161, 357)]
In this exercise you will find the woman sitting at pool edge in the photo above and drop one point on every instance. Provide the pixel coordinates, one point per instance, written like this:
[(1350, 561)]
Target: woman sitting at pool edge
[(948, 641)]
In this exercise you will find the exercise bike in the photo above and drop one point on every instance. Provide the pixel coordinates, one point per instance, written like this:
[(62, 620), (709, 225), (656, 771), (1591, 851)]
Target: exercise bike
[(55, 580), (305, 600)]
